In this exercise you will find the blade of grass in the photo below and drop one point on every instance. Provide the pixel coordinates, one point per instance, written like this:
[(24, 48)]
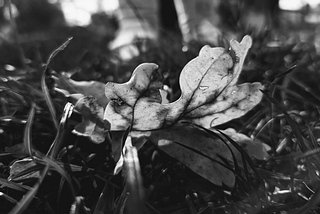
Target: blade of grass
[(119, 164), (3, 105), (135, 202), (22, 175), (272, 90), (283, 207), (308, 154), (27, 130), (314, 148), (255, 117), (242, 152), (8, 198), (312, 137), (5, 154), (77, 168), (297, 96), (221, 163), (292, 169), (44, 86), (58, 141), (48, 100), (275, 176), (121, 202), (15, 186), (246, 159), (190, 204), (56, 167), (47, 206), (292, 123), (153, 210), (277, 79), (103, 204), (12, 120), (306, 88), (78, 206), (61, 184), (224, 162), (22, 205), (314, 201), (266, 125), (216, 135), (15, 94), (236, 165)]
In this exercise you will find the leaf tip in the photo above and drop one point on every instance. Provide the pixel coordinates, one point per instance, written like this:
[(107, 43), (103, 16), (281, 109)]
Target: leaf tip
[(244, 45), (246, 40)]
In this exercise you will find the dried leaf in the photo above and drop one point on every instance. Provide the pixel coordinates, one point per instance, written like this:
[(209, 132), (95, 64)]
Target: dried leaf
[(87, 88), (21, 166), (140, 97), (92, 124), (209, 97), (195, 149), (209, 94), (254, 148)]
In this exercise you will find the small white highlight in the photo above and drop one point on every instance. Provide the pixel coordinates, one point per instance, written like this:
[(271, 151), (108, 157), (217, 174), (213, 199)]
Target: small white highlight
[(295, 5)]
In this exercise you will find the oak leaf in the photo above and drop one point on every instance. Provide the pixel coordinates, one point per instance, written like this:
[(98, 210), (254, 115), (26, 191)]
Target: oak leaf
[(209, 97), (194, 148), (209, 93)]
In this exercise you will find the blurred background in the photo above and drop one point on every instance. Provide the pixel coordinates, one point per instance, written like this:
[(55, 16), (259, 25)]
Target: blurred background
[(34, 28), (79, 12)]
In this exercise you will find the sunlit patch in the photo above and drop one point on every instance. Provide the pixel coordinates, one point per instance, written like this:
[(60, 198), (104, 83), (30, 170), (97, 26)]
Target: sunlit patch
[(8, 67), (78, 12), (297, 4)]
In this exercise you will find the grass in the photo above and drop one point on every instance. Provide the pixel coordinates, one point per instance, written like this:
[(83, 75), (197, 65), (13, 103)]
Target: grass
[(44, 168)]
